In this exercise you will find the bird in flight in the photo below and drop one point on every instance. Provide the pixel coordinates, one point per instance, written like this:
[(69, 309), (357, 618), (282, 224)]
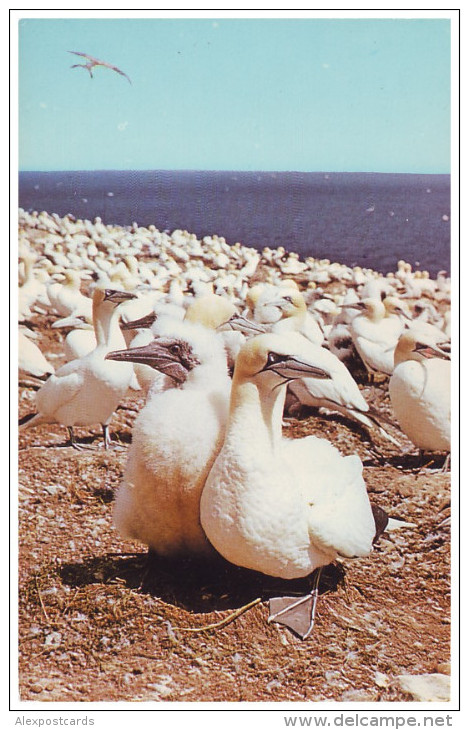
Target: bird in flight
[(92, 62)]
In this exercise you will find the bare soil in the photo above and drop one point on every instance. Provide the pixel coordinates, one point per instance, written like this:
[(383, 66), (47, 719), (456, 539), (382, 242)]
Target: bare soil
[(101, 621)]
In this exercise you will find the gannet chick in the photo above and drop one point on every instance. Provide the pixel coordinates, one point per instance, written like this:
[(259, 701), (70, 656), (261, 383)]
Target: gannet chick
[(87, 390), (282, 507), (175, 440), (420, 392)]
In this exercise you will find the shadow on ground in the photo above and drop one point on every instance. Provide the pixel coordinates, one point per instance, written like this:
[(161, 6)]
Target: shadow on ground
[(194, 586)]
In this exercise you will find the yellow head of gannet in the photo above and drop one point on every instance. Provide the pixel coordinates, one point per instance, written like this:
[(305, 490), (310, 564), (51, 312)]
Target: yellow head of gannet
[(411, 347)]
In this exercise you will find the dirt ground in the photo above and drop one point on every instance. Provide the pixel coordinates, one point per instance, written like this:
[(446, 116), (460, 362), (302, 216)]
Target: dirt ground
[(100, 621)]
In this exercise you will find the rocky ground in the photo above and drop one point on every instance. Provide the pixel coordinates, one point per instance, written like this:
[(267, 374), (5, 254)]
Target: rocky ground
[(98, 621)]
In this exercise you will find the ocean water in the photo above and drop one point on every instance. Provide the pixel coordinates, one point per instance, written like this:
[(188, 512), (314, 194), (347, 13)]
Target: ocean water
[(368, 219)]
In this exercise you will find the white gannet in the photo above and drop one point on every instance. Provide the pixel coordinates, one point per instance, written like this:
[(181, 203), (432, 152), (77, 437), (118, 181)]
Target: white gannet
[(31, 360), (80, 340), (218, 313), (282, 507), (175, 440), (420, 393), (294, 316), (375, 336), (67, 298), (87, 390), (339, 392)]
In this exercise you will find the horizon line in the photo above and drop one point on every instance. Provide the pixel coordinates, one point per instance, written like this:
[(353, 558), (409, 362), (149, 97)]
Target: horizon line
[(231, 170)]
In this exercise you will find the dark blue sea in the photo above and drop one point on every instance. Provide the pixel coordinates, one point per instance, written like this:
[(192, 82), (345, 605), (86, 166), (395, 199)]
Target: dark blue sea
[(368, 219)]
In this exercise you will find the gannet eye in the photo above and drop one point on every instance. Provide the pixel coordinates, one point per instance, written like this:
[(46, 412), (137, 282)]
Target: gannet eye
[(288, 299), (175, 349), (274, 357)]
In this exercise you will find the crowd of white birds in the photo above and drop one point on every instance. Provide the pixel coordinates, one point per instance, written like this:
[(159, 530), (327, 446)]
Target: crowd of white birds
[(193, 311)]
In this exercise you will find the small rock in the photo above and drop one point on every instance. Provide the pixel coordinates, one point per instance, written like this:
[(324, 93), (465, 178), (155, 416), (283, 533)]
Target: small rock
[(426, 687), (356, 695), (53, 639), (36, 688), (382, 680)]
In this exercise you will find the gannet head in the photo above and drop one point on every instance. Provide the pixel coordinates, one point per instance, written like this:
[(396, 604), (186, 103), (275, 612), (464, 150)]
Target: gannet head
[(374, 309), (278, 359), (394, 306), (291, 303), (181, 352), (112, 296), (75, 322), (413, 347), (172, 356)]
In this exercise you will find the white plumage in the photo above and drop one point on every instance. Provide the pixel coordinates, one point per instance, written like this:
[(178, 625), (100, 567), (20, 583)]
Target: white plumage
[(175, 440), (420, 392), (273, 505), (87, 390)]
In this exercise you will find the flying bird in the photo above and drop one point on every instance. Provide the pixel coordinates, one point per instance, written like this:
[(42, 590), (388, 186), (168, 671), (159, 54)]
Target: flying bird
[(92, 62)]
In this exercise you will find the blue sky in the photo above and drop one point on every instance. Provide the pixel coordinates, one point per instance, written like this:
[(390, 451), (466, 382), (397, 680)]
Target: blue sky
[(237, 94)]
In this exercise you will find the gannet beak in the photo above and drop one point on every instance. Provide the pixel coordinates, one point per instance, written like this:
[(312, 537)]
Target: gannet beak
[(150, 354), (70, 321), (142, 323), (354, 305), (156, 356), (242, 324), (291, 368), (431, 351), (117, 296)]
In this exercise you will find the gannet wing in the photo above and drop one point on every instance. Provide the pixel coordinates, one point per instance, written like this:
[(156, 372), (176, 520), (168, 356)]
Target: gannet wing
[(59, 390)]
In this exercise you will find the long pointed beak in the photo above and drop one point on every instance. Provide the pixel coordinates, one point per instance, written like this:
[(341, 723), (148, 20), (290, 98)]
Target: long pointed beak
[(117, 296), (142, 323), (431, 351), (153, 354), (293, 368), (242, 324), (359, 306), (71, 321)]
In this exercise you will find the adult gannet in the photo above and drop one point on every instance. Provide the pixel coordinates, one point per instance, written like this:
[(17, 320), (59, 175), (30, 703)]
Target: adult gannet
[(282, 507), (294, 316), (375, 336), (31, 360), (339, 392), (420, 392), (87, 390), (67, 298), (81, 338), (175, 440)]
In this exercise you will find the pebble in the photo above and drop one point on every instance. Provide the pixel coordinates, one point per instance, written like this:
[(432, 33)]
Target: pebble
[(426, 687)]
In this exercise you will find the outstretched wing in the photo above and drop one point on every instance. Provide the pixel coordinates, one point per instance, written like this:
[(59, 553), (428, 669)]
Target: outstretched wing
[(96, 62), (114, 68)]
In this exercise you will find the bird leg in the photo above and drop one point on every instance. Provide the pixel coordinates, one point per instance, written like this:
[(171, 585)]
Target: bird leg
[(108, 444), (297, 614), (72, 441)]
